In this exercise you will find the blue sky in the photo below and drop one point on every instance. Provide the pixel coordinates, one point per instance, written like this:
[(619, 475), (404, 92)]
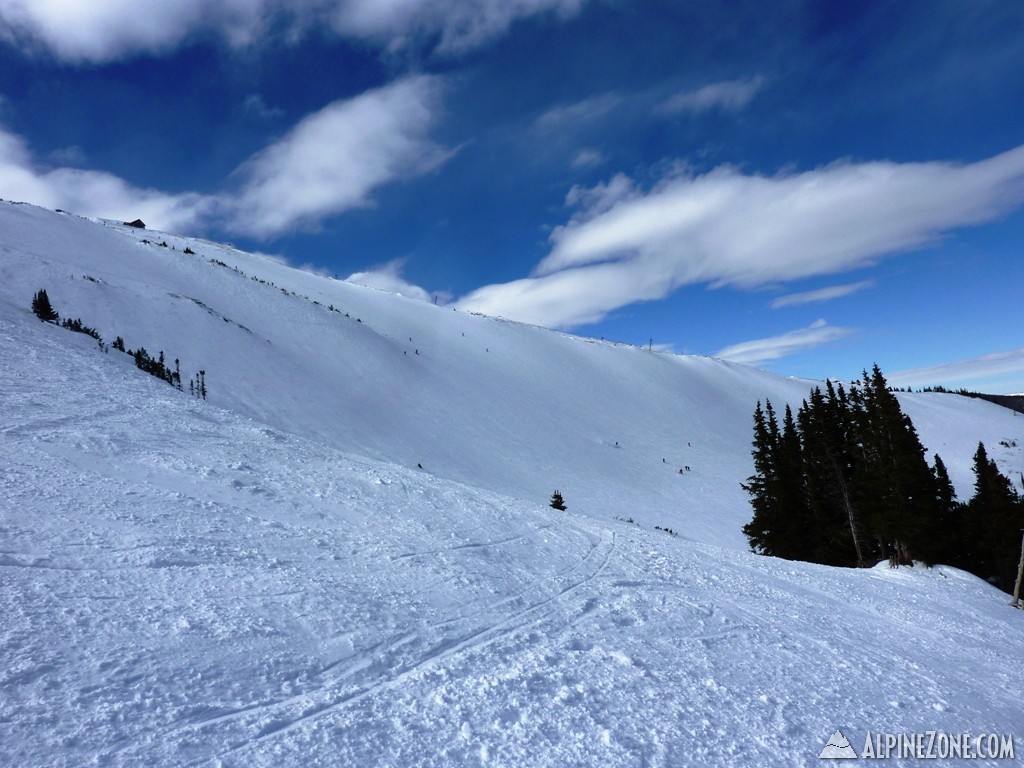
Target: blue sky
[(809, 187)]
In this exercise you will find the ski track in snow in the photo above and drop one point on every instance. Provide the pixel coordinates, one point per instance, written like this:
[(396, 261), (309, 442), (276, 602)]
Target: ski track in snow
[(185, 586)]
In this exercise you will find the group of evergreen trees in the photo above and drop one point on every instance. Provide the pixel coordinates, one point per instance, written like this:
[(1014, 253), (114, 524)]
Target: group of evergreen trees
[(846, 482), (154, 366), (44, 310)]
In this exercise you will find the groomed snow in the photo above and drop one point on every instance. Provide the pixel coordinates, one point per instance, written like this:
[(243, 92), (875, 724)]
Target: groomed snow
[(267, 579)]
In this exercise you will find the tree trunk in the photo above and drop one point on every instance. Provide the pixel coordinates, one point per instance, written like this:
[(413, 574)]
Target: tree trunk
[(849, 510)]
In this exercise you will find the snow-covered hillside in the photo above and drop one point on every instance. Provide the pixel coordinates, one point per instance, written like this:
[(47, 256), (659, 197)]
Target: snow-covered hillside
[(267, 578), (497, 405)]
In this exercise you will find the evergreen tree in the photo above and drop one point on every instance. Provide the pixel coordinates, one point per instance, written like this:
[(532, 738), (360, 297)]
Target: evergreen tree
[(993, 521), (944, 529), (829, 466), (846, 482), (43, 309), (896, 487), (798, 524), (764, 529), (557, 502)]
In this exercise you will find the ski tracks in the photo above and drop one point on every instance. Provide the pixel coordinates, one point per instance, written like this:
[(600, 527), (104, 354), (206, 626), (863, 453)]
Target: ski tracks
[(553, 603)]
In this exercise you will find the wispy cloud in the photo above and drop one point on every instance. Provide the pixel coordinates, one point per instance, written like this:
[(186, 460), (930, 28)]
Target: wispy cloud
[(588, 158), (975, 368), (784, 345), (109, 30), (726, 228), (573, 115), (332, 161), (727, 96), (92, 193), (459, 25), (820, 295), (388, 277), (255, 107)]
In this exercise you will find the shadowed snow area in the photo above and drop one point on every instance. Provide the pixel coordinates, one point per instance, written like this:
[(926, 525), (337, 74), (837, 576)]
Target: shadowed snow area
[(267, 579)]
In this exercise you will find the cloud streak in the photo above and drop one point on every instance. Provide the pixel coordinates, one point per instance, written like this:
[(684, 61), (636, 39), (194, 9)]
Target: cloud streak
[(331, 162), (93, 193), (820, 295), (790, 343), (727, 228), (458, 25), (727, 96), (101, 31), (388, 277), (334, 159), (107, 30)]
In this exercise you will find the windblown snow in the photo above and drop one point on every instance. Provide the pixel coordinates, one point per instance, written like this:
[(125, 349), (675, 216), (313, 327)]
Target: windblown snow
[(345, 555)]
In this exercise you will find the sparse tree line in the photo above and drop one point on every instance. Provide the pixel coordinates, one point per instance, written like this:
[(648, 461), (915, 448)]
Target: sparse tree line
[(846, 482), (157, 366), (1013, 402)]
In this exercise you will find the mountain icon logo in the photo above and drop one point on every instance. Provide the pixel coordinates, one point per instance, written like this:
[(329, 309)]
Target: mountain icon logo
[(838, 748)]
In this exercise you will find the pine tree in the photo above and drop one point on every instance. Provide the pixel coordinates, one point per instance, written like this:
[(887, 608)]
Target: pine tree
[(557, 502), (800, 531), (993, 519), (829, 467), (846, 482), (896, 487), (43, 309), (944, 529), (763, 530)]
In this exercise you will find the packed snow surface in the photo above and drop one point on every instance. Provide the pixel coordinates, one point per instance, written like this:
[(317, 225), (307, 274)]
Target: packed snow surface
[(267, 578)]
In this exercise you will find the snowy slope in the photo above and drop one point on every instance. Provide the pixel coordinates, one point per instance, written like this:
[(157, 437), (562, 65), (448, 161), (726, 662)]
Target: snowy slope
[(181, 585), (504, 407)]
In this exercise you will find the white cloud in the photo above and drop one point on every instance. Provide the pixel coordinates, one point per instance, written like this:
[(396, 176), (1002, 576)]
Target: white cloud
[(570, 116), (106, 30), (460, 25), (728, 96), (588, 158), (109, 30), (254, 106), (334, 159), (784, 345), (73, 155), (729, 228), (92, 193), (601, 198), (822, 294), (972, 369), (388, 277)]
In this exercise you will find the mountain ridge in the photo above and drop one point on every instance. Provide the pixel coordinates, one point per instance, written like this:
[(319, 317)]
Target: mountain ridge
[(479, 400)]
